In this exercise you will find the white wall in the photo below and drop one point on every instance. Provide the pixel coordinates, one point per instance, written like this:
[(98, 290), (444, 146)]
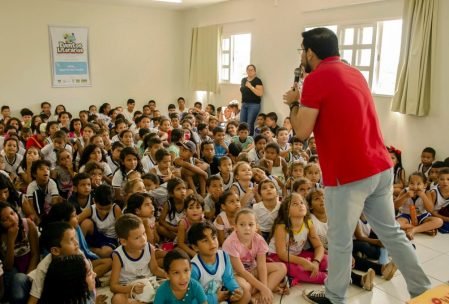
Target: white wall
[(135, 52), (144, 53), (276, 36)]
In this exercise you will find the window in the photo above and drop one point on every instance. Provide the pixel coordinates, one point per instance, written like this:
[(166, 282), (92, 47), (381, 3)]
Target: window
[(235, 56), (374, 49)]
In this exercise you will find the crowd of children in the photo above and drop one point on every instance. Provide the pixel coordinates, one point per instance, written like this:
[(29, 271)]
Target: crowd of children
[(190, 198)]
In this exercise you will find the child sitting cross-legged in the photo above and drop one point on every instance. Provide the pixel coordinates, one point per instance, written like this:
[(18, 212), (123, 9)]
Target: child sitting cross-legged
[(212, 267), (292, 229), (415, 208), (248, 250), (132, 260), (97, 222)]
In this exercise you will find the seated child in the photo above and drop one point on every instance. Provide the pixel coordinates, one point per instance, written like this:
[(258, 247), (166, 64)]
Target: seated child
[(278, 166), (179, 288), (95, 171), (63, 173), (313, 172), (69, 271), (149, 158), (19, 250), (415, 208), (162, 168), (227, 207), (243, 139), (214, 185), (59, 143), (207, 150), (294, 223), (398, 170), (439, 197), (243, 186), (192, 169), (302, 186), (257, 153), (98, 222), (81, 197), (295, 172), (65, 212), (59, 239), (296, 151), (42, 192), (114, 158), (221, 149), (173, 209), (427, 159), (267, 210), (248, 250), (140, 204), (157, 192), (132, 260), (260, 123), (193, 210), (283, 142), (212, 267), (226, 174)]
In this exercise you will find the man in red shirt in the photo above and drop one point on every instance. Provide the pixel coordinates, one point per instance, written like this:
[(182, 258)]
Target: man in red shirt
[(336, 104)]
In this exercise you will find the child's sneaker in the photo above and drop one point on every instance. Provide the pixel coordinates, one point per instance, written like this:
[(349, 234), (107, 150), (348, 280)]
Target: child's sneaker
[(315, 297), (367, 280), (388, 270)]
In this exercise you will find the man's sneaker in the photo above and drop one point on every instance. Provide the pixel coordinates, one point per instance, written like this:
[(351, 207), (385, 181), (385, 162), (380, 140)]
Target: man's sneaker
[(367, 280), (315, 297), (388, 270)]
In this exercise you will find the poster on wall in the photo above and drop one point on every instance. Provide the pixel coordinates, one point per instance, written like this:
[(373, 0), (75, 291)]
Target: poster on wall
[(69, 56)]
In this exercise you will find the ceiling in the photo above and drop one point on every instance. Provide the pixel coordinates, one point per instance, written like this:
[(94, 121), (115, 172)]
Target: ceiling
[(186, 4)]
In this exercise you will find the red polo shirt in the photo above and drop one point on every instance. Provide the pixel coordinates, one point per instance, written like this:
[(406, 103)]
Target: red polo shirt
[(347, 133)]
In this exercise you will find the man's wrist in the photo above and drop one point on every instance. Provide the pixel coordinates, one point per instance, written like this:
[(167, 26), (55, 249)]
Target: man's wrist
[(294, 104)]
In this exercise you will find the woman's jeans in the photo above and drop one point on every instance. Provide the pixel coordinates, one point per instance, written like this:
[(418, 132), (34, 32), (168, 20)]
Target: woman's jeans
[(249, 114), (374, 197)]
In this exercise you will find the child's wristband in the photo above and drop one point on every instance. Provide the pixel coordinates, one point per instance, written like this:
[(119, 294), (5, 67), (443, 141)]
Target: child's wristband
[(315, 260)]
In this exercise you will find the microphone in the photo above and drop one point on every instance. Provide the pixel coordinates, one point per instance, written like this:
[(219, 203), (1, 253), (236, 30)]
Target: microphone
[(296, 79)]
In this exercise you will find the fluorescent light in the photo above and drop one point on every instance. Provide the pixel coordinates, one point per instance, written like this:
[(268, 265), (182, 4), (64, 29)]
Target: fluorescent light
[(169, 1)]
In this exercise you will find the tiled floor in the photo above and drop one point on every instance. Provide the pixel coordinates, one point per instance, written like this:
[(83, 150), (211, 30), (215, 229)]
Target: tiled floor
[(433, 253)]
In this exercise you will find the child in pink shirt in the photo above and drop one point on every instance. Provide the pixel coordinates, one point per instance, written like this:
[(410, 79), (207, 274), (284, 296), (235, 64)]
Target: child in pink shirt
[(247, 250)]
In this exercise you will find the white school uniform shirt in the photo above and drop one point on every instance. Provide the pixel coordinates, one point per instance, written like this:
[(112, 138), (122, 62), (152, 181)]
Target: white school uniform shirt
[(440, 201), (12, 166), (265, 218), (49, 153), (321, 229), (133, 269), (106, 225), (227, 184), (210, 281), (112, 164), (299, 242), (148, 163)]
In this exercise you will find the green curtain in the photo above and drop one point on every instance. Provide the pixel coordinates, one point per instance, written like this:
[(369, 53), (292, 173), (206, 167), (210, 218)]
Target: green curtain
[(206, 42), (413, 86)]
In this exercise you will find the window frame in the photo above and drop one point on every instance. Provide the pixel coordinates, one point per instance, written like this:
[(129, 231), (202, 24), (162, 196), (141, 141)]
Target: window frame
[(231, 53), (375, 47)]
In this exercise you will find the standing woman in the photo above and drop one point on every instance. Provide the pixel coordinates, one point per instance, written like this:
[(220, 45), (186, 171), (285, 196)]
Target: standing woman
[(252, 91)]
